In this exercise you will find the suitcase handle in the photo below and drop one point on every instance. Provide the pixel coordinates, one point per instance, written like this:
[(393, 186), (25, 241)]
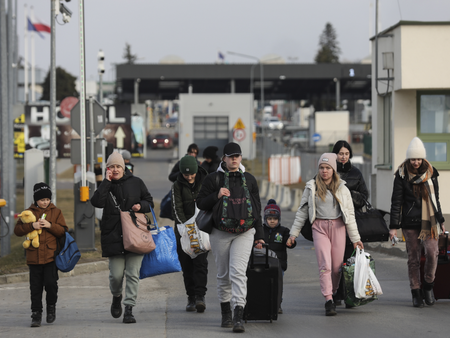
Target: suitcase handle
[(252, 265)]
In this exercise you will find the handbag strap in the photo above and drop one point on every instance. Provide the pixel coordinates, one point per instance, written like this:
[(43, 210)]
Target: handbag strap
[(115, 201)]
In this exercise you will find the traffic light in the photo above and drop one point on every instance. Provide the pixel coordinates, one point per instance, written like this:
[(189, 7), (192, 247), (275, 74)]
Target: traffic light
[(101, 62)]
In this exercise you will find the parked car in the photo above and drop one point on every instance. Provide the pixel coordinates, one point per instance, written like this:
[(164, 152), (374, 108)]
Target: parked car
[(272, 122), (171, 122), (300, 139), (161, 141)]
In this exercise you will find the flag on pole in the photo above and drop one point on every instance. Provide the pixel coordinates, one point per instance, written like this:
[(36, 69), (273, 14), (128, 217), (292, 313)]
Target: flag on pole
[(38, 28)]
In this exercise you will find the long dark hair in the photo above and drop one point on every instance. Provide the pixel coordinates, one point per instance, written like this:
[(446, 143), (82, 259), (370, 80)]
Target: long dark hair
[(341, 143)]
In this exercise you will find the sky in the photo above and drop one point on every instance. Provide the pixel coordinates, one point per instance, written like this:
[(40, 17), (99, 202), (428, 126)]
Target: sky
[(196, 30)]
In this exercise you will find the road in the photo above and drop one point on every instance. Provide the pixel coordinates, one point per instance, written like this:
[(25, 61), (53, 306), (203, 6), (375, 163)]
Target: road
[(84, 300)]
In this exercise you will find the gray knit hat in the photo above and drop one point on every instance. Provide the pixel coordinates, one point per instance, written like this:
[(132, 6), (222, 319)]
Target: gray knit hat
[(117, 159)]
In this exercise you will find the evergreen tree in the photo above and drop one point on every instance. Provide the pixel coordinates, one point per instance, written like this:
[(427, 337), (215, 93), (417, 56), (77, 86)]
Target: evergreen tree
[(329, 47), (65, 85), (131, 58)]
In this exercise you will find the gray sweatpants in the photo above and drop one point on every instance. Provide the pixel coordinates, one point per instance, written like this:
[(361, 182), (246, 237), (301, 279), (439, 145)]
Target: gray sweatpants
[(232, 253), (128, 265)]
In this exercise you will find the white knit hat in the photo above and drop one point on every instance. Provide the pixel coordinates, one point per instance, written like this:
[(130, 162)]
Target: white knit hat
[(416, 149)]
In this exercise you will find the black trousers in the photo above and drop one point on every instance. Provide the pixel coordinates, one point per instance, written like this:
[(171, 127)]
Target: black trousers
[(43, 276), (195, 271)]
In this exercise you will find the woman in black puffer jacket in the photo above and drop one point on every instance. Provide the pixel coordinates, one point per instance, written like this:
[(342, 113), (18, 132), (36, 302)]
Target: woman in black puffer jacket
[(129, 193), (354, 181), (415, 207)]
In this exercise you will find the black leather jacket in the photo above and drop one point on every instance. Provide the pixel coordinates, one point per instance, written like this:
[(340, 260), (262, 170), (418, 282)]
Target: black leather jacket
[(406, 209), (354, 181)]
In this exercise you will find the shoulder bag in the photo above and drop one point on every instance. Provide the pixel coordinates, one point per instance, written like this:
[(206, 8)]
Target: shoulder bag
[(205, 218), (135, 231), (371, 224)]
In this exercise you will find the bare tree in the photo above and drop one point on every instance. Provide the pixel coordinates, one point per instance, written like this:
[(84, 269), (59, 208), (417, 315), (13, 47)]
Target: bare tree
[(127, 55)]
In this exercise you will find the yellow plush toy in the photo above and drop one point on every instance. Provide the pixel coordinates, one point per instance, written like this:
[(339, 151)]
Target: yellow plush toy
[(32, 238)]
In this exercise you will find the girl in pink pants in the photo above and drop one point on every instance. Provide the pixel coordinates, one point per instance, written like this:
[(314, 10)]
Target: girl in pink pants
[(328, 205)]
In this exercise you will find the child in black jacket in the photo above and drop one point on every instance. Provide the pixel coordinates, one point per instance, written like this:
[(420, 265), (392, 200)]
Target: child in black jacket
[(276, 235)]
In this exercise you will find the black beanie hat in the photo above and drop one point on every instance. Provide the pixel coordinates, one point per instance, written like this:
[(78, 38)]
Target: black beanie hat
[(210, 152), (188, 165), (40, 191)]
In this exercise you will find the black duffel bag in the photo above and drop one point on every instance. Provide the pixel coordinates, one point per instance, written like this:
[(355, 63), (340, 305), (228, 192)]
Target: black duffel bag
[(166, 206), (371, 224)]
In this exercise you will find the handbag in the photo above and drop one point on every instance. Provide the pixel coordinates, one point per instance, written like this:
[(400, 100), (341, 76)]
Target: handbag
[(371, 224), (164, 259), (166, 206), (307, 230), (135, 231), (205, 221), (205, 218)]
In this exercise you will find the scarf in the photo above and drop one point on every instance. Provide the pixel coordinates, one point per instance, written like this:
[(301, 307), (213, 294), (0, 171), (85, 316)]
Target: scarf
[(430, 227), (236, 225)]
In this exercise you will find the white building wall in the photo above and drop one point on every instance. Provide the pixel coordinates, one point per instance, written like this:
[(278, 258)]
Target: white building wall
[(420, 63), (235, 106)]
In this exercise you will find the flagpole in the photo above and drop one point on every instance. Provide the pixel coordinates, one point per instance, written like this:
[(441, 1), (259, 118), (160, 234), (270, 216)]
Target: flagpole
[(33, 75), (25, 57)]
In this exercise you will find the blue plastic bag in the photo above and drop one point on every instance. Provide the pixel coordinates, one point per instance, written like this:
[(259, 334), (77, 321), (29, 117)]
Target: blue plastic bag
[(164, 259)]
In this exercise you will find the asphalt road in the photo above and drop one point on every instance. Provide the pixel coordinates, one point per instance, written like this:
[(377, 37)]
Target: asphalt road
[(84, 300)]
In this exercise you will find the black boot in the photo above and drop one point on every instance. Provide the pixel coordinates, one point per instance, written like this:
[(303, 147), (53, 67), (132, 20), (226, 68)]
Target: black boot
[(200, 303), (227, 315), (428, 293), (191, 304), (51, 313), (116, 306), (36, 318), (128, 317), (330, 308), (238, 319), (417, 297), (336, 299)]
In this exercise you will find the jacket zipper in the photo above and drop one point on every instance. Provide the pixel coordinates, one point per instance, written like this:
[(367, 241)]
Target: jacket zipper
[(410, 209)]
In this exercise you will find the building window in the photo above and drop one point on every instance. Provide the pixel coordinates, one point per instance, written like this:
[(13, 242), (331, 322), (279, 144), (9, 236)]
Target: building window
[(434, 126)]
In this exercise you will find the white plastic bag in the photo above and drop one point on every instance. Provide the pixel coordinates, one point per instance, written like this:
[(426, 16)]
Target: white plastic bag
[(193, 241), (365, 283)]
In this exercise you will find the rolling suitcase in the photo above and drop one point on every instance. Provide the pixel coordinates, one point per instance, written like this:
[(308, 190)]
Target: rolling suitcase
[(441, 287), (264, 285)]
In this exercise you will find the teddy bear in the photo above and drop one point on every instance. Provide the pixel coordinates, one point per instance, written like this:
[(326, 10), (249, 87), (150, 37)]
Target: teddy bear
[(32, 237)]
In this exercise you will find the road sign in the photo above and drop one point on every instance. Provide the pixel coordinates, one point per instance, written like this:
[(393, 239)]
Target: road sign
[(119, 136), (316, 137), (75, 151), (239, 124), (99, 118), (239, 134)]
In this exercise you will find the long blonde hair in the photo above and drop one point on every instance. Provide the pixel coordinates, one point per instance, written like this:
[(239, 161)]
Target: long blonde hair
[(322, 187)]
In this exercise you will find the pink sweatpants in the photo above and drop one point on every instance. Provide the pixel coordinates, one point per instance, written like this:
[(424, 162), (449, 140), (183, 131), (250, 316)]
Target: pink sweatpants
[(329, 244)]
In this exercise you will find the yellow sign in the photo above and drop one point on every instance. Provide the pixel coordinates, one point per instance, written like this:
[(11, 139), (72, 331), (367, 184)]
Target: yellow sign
[(239, 124)]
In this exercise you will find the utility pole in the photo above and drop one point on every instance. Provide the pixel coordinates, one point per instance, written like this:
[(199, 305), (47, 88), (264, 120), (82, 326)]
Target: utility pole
[(5, 194), (53, 154)]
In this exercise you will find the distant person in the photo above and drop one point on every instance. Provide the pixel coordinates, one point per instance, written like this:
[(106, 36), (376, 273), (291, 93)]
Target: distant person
[(41, 260), (129, 192), (212, 161), (328, 205), (416, 209), (127, 159), (354, 181), (184, 194), (276, 235), (237, 228), (192, 151)]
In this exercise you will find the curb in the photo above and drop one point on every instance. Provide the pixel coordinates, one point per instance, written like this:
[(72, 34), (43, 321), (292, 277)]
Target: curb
[(79, 269), (386, 248)]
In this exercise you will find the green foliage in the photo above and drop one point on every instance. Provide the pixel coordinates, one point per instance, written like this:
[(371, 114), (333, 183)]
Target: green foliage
[(128, 56), (329, 47), (65, 85)]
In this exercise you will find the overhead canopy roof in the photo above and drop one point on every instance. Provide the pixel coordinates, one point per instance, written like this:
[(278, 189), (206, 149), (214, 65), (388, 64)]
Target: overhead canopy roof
[(281, 81)]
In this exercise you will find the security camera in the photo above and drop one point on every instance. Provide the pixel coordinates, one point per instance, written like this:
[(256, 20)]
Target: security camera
[(66, 12)]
